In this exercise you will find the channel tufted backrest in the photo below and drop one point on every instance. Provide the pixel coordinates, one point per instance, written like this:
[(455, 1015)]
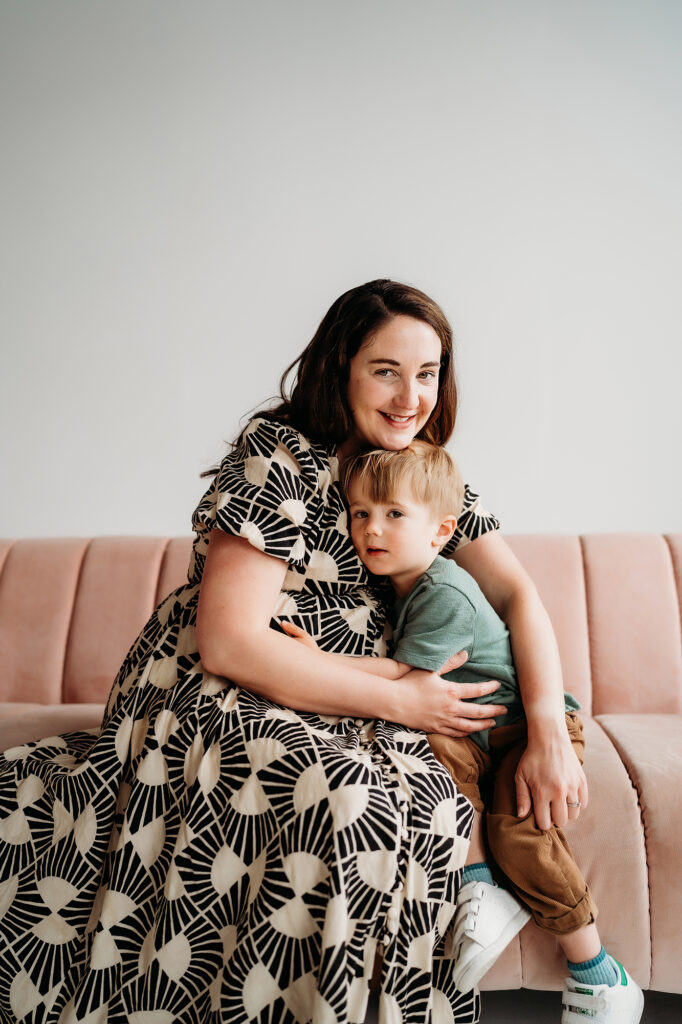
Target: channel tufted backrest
[(70, 608), (555, 563), (119, 583), (614, 601), (37, 591)]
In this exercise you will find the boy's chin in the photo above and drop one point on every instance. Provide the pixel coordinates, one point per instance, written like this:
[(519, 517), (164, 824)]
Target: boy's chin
[(373, 572)]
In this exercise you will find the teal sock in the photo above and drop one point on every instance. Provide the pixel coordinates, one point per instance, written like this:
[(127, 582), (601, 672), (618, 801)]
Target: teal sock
[(477, 873), (600, 971)]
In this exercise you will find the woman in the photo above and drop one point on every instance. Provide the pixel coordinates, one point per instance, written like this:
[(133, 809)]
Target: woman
[(251, 829)]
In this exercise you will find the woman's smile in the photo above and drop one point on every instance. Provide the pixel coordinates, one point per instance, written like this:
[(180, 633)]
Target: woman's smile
[(399, 421)]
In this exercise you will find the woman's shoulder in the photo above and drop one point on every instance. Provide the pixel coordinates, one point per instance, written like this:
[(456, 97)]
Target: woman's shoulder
[(275, 456), (269, 489), (265, 427), (271, 438)]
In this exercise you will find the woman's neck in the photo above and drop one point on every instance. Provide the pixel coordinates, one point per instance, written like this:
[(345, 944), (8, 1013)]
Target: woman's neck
[(347, 448)]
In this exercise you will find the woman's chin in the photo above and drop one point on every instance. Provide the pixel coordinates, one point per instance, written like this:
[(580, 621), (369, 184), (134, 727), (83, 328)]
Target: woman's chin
[(391, 443), (394, 439), (391, 439)]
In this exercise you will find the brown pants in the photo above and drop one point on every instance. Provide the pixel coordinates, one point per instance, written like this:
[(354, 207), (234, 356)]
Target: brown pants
[(538, 865)]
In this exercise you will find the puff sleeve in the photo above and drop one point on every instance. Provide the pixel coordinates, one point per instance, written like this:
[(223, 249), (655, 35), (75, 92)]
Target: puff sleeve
[(473, 522), (267, 491)]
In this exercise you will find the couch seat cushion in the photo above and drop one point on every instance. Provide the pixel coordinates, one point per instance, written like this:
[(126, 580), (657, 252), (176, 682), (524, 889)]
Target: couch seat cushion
[(23, 723), (650, 747)]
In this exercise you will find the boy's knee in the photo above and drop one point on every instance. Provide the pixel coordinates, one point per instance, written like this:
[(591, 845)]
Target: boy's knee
[(508, 835)]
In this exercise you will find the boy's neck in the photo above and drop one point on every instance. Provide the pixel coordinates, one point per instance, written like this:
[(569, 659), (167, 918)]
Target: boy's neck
[(403, 583)]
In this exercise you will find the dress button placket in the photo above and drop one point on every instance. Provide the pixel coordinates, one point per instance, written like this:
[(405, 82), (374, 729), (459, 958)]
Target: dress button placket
[(392, 922), (392, 918), (393, 783)]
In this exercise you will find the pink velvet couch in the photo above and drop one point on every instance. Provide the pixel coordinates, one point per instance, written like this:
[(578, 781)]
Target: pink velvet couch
[(69, 610)]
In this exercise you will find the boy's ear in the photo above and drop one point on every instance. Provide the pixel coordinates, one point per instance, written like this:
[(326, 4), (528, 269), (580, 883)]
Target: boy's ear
[(446, 530)]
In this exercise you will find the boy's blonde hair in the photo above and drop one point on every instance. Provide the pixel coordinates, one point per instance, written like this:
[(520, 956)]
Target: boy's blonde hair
[(433, 477)]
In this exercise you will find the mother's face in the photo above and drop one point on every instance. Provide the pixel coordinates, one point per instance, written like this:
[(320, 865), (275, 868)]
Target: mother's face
[(393, 383)]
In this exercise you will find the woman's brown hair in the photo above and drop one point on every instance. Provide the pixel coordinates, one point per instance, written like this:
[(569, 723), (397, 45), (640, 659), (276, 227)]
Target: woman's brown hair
[(317, 405)]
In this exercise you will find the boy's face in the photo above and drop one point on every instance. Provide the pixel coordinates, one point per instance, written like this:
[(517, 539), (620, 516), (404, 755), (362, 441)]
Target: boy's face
[(399, 539)]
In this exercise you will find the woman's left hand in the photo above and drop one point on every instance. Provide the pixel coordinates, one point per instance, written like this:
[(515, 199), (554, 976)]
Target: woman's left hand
[(550, 781)]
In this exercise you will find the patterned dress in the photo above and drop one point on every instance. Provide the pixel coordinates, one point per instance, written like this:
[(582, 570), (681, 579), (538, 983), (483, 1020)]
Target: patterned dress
[(212, 856)]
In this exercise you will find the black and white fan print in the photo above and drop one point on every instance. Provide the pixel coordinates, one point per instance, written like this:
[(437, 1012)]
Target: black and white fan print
[(212, 856)]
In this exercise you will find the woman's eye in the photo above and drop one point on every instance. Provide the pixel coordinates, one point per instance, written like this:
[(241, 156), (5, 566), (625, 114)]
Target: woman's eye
[(385, 371), (428, 375)]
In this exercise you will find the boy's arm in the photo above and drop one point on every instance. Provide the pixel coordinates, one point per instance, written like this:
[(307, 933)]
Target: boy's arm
[(387, 668)]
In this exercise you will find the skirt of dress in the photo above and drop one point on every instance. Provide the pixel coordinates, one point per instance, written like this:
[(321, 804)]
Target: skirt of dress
[(212, 856)]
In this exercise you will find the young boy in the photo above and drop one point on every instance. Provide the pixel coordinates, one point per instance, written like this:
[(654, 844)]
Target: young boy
[(403, 509)]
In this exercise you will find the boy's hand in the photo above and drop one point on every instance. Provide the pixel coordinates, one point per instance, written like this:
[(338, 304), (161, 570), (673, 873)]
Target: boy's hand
[(453, 662), (299, 634)]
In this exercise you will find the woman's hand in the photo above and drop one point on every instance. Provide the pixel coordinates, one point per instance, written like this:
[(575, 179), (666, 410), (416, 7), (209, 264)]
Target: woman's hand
[(299, 634), (437, 705), (549, 779)]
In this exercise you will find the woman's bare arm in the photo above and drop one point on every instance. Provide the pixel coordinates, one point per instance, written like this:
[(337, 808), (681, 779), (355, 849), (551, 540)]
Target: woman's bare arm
[(239, 591), (549, 773)]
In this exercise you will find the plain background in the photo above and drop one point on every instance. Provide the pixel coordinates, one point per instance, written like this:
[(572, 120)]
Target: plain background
[(185, 187)]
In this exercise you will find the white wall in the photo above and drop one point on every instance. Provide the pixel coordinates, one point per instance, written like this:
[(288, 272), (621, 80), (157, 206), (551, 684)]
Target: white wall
[(186, 186)]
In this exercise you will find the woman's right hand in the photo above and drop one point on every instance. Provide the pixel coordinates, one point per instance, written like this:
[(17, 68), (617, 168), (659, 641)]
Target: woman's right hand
[(438, 705)]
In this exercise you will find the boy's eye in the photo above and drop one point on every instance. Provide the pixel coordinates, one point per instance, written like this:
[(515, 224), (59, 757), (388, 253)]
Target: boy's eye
[(360, 514), (395, 513)]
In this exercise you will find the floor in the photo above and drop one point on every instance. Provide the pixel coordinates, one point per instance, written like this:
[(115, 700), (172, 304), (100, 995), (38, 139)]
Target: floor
[(525, 1007), (545, 1008)]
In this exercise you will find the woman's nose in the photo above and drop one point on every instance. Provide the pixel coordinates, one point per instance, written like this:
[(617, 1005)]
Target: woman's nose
[(407, 395)]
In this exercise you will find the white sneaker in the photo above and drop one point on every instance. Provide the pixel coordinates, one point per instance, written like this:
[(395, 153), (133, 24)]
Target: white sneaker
[(486, 920), (616, 1004)]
